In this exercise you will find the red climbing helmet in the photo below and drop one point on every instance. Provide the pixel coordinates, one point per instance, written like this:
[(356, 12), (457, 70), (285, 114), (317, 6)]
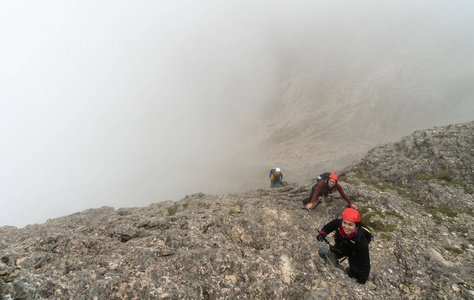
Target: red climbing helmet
[(333, 176), (351, 214)]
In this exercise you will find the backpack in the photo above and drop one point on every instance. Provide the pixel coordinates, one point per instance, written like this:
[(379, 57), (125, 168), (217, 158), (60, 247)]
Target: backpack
[(271, 172), (324, 177), (367, 232)]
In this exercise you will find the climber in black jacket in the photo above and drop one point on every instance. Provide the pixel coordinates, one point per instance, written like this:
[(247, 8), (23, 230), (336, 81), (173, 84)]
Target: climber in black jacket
[(350, 241)]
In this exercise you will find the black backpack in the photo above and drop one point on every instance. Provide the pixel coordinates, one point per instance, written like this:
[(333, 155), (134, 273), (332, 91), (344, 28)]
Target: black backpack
[(367, 232), (324, 177)]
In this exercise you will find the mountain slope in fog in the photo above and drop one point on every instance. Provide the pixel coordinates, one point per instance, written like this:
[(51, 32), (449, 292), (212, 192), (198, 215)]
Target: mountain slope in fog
[(261, 244), (326, 118)]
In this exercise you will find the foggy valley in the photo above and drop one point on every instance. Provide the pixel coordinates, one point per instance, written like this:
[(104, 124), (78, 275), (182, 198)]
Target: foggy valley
[(124, 104)]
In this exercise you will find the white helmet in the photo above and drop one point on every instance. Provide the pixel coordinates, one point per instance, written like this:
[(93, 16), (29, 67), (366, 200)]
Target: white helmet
[(277, 170)]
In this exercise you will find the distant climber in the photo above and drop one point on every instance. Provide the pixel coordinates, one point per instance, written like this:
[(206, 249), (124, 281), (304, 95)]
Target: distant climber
[(276, 178), (351, 241), (326, 185)]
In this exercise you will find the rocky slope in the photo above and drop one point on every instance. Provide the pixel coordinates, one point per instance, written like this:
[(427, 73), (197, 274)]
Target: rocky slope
[(435, 166), (415, 194)]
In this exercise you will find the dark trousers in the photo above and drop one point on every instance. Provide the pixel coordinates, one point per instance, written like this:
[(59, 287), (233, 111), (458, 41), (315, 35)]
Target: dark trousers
[(353, 267), (308, 200)]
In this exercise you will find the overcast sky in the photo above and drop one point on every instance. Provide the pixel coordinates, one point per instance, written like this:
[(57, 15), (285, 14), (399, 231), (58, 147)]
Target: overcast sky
[(125, 103)]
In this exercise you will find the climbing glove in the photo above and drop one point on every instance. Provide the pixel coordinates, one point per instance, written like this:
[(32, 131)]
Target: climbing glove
[(310, 206), (321, 236)]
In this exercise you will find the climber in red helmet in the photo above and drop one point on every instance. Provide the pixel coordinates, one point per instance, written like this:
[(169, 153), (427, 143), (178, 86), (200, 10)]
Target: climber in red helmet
[(324, 188), (351, 240)]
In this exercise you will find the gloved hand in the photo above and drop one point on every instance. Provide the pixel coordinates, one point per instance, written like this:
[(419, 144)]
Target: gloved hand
[(309, 205), (321, 236), (353, 206)]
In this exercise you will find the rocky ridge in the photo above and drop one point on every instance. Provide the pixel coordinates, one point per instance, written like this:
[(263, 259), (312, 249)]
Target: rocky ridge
[(434, 165), (261, 244)]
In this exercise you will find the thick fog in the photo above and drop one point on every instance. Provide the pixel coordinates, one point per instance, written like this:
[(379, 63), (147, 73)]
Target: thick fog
[(125, 103)]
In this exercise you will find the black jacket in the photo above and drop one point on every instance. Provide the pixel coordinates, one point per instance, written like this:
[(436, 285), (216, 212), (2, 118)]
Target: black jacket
[(355, 248)]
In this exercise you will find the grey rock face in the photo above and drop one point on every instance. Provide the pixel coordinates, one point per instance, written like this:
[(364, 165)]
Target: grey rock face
[(261, 244), (435, 166)]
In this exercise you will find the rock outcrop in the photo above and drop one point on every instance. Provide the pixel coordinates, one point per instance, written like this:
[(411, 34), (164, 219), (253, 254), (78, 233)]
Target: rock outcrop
[(416, 195), (435, 166)]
